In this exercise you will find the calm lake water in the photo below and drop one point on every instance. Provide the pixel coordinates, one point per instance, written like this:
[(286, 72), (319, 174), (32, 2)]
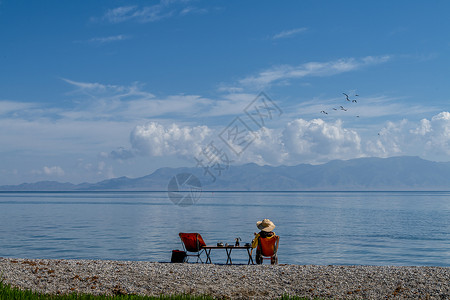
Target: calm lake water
[(369, 228)]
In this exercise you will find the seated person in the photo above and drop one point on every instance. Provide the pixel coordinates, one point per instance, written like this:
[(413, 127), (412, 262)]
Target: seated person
[(266, 226)]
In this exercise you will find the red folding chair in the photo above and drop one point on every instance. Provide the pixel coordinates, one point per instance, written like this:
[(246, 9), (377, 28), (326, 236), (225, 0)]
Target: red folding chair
[(194, 243), (267, 249)]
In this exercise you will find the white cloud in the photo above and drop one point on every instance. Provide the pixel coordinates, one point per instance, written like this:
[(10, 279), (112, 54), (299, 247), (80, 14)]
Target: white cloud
[(132, 102), (426, 138), (155, 139), (266, 149), (145, 14), (318, 141), (300, 141), (367, 108), (289, 33), (104, 170), (284, 72), (436, 134), (231, 104), (119, 14), (390, 140), (121, 91), (120, 154), (55, 170), (108, 39), (230, 89), (193, 10), (13, 107), (152, 13), (103, 117), (50, 171), (423, 128), (39, 133)]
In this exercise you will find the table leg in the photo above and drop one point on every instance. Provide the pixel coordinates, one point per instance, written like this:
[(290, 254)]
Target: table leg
[(250, 258), (208, 258), (228, 250)]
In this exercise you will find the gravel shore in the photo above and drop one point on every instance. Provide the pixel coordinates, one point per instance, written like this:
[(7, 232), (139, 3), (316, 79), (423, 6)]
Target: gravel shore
[(224, 281)]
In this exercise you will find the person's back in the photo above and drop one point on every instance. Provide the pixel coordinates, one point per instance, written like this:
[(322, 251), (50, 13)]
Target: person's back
[(266, 226)]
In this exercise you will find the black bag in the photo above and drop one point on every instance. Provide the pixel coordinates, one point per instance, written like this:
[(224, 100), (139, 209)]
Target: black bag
[(178, 256)]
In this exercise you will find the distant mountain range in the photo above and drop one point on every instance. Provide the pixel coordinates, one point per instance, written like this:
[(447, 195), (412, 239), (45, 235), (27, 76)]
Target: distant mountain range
[(403, 173)]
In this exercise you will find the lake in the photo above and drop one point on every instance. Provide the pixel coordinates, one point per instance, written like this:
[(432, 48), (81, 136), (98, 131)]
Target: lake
[(345, 228)]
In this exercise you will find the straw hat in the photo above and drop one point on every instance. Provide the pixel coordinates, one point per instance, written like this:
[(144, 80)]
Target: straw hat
[(265, 225)]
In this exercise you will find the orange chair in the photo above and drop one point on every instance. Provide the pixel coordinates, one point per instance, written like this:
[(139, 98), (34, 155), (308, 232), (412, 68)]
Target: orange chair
[(267, 249), (192, 242)]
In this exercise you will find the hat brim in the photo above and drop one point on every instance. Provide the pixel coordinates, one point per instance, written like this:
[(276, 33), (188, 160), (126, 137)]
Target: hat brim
[(267, 228)]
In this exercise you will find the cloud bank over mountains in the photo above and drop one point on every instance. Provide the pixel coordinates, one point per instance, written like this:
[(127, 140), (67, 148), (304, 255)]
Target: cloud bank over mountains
[(301, 140), (117, 124)]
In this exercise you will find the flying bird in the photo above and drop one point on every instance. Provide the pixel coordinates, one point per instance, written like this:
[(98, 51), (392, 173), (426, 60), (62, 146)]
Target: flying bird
[(334, 108), (342, 108), (324, 112), (346, 96), (354, 100)]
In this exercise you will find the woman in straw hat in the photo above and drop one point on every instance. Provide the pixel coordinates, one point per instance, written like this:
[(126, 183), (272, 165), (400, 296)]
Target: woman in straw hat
[(266, 226)]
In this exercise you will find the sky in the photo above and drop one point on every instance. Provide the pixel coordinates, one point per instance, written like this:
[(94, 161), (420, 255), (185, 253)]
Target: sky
[(93, 90)]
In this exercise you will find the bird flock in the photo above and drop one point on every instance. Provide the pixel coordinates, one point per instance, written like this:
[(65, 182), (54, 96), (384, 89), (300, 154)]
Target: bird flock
[(348, 99)]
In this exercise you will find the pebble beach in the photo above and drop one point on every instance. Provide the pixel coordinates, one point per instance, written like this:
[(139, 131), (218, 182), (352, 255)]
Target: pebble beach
[(226, 281)]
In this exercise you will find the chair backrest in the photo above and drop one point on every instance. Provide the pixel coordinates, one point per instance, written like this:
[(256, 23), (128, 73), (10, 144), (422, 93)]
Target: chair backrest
[(193, 242), (269, 245)]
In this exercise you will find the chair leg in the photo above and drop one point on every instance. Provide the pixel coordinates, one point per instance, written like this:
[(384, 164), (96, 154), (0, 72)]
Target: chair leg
[(274, 260), (258, 257), (199, 257)]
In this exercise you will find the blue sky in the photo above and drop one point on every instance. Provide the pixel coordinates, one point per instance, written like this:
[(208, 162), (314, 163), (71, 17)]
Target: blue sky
[(91, 90)]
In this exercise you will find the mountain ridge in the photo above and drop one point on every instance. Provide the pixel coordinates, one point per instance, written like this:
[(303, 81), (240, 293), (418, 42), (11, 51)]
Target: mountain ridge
[(400, 173)]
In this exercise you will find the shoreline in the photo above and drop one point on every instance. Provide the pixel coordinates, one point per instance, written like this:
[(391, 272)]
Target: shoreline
[(60, 276)]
